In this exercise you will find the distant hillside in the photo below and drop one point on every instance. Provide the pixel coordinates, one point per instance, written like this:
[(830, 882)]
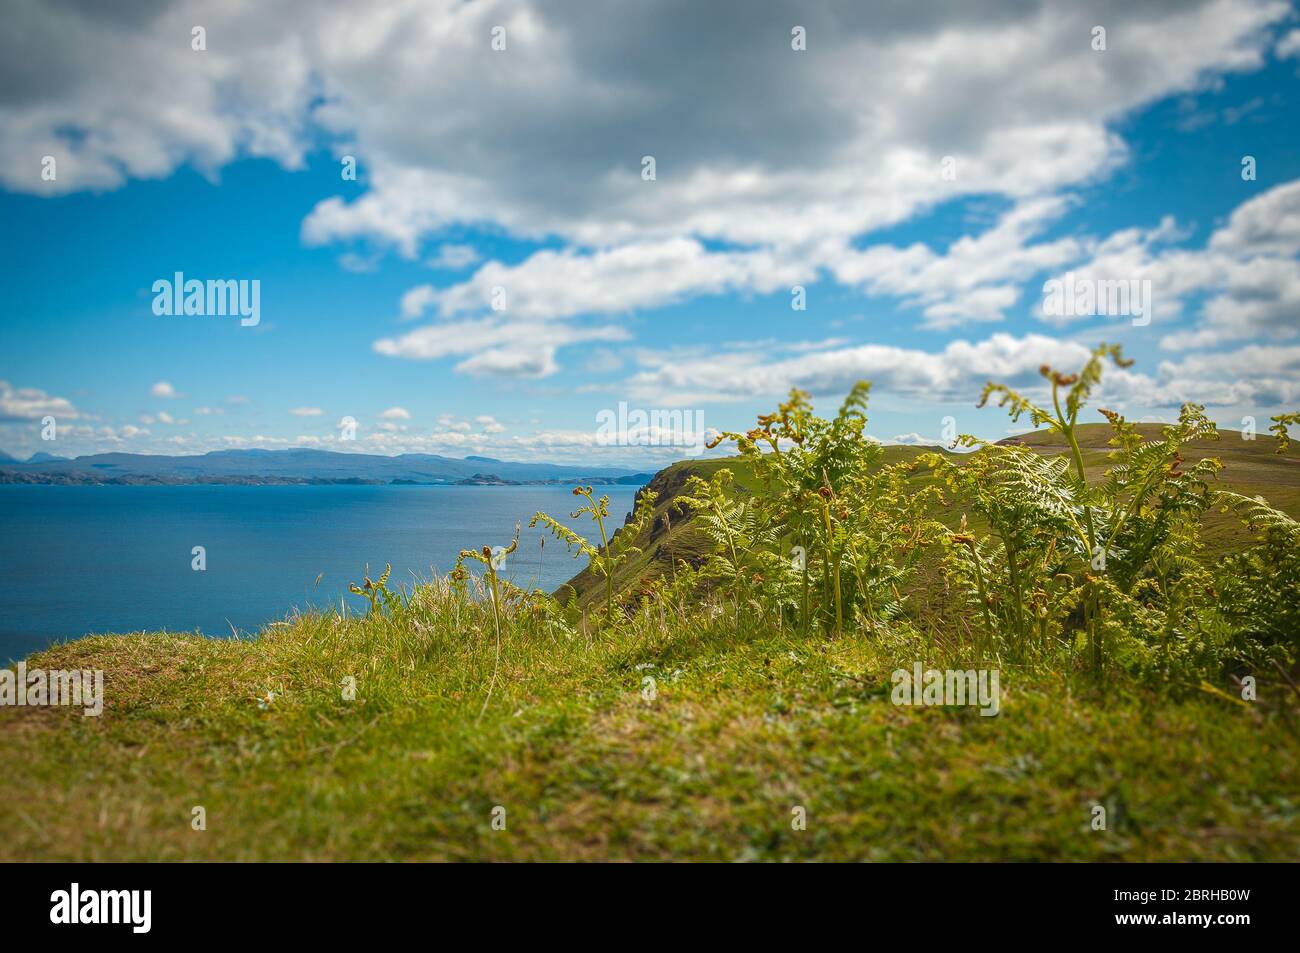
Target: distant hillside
[(296, 466), (1249, 466), (1097, 437)]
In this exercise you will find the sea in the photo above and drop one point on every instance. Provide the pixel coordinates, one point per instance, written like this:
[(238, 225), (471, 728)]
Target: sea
[(76, 560)]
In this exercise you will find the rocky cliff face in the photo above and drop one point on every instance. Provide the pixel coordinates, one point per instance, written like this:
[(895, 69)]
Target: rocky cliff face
[(672, 538), (667, 484)]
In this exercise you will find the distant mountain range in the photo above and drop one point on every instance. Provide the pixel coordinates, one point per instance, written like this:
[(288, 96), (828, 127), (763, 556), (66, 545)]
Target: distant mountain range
[(300, 466)]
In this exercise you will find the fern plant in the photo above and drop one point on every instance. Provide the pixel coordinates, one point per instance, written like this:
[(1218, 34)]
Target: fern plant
[(847, 527), (606, 558), (1137, 524), (493, 561), (1258, 588), (376, 591), (738, 531), (1279, 427), (806, 464)]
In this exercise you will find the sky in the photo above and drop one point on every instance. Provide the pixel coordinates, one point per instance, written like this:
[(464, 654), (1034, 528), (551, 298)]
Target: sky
[(504, 267)]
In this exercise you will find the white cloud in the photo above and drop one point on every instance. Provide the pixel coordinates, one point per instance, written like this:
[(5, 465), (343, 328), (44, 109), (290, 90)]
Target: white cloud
[(546, 140), (914, 439), (396, 413), (1015, 93), (29, 403), (454, 424), (416, 300), (553, 286), (148, 103), (1248, 269), (603, 361), (977, 279), (565, 284), (955, 373), (306, 411), (454, 257), (163, 389), (359, 264), (1252, 376), (1255, 377), (1288, 46), (496, 347)]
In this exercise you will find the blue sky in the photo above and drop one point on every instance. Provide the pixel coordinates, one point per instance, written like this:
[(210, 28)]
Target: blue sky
[(521, 169)]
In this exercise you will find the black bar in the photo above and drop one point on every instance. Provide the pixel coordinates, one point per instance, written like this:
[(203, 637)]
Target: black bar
[(938, 903)]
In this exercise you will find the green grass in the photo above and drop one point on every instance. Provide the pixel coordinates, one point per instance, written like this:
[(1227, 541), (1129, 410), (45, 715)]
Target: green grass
[(742, 730), (744, 726)]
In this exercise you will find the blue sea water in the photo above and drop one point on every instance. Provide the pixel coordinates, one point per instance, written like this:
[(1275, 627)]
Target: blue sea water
[(76, 560)]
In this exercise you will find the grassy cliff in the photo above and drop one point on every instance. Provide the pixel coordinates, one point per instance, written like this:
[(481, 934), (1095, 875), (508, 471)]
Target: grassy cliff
[(741, 729)]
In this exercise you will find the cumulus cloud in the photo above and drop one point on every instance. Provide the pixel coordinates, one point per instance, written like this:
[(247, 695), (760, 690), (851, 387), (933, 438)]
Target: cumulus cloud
[(1013, 92), (550, 285), (1288, 46), (146, 101), (306, 411), (1248, 270), (1250, 262), (603, 361), (538, 298), (978, 277), (773, 167), (396, 413), (453, 257), (29, 403), (359, 264), (954, 373), (449, 422), (497, 347), (740, 156), (1252, 376), (914, 439)]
